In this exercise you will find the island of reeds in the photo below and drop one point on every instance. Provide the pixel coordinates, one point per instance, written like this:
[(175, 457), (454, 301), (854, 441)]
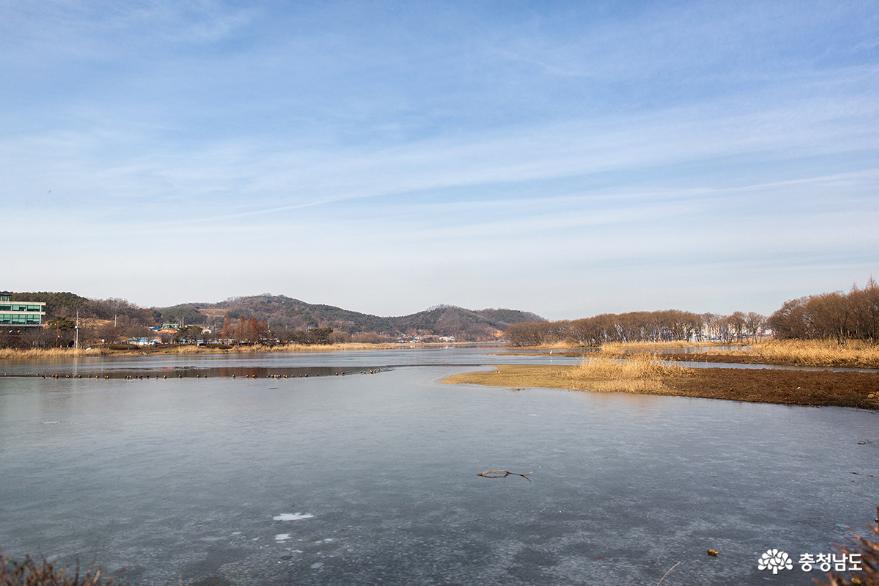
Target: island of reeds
[(642, 352)]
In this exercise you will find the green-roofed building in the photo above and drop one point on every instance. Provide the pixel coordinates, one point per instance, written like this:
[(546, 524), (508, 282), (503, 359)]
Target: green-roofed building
[(20, 313)]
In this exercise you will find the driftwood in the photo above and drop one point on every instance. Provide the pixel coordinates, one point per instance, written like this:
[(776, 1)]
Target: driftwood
[(501, 473)]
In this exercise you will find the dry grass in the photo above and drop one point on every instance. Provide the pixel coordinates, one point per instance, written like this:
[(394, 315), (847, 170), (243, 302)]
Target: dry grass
[(39, 353), (868, 550), (560, 345), (278, 348), (626, 348), (647, 376), (642, 373), (31, 573), (810, 353)]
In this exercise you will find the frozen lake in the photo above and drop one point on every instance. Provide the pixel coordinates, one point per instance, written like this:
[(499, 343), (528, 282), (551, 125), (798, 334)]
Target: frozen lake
[(372, 478)]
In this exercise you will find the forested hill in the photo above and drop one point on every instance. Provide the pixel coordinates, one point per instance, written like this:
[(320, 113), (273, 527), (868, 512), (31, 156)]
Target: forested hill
[(283, 312), (66, 304)]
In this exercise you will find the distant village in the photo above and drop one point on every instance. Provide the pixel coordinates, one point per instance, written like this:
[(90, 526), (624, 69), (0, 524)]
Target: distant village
[(27, 324), (181, 334)]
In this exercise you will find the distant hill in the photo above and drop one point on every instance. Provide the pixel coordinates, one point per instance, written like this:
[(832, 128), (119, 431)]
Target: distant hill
[(285, 312), (463, 323), (66, 304)]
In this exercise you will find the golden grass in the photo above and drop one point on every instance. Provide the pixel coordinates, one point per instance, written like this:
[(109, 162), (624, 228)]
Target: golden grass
[(560, 345), (640, 374), (648, 376), (38, 353), (810, 353), (624, 348), (278, 348), (637, 374), (31, 573)]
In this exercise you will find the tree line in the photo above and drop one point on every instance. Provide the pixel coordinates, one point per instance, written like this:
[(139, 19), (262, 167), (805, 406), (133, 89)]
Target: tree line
[(60, 332), (640, 326), (839, 316)]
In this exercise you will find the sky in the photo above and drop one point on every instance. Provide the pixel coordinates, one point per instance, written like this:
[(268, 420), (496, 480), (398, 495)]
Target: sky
[(565, 158)]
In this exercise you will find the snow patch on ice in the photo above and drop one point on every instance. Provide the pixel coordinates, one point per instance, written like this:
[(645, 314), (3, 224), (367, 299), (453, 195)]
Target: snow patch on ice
[(293, 516)]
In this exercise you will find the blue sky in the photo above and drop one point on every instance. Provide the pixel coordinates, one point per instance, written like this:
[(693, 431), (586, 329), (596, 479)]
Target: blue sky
[(564, 158)]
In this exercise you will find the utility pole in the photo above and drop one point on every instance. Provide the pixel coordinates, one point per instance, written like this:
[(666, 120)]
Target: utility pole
[(76, 332)]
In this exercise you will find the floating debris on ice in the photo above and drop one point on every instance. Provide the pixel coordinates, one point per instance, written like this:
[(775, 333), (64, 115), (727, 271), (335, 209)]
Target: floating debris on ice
[(293, 516)]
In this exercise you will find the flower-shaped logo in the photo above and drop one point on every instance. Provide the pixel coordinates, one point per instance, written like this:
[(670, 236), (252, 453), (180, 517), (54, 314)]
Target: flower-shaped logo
[(775, 560)]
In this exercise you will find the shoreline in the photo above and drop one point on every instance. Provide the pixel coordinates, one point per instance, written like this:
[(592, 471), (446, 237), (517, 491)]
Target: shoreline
[(812, 353), (63, 353), (781, 387)]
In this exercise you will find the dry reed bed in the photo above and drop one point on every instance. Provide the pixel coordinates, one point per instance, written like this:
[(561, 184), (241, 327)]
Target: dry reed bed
[(31, 573), (638, 374), (811, 353), (648, 375), (282, 348), (625, 348), (38, 353), (610, 348), (829, 353), (868, 550)]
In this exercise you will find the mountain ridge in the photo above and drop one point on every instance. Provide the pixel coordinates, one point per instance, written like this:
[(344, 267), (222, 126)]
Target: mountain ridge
[(288, 313)]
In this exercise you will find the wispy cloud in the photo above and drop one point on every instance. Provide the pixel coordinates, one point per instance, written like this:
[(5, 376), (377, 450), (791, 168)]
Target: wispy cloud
[(581, 140)]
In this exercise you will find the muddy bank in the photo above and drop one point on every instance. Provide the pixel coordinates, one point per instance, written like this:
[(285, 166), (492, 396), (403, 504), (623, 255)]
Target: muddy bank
[(786, 387)]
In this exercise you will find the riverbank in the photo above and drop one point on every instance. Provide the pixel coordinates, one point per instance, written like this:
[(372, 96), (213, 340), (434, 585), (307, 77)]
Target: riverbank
[(853, 354), (51, 353), (614, 348), (822, 353), (785, 387)]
